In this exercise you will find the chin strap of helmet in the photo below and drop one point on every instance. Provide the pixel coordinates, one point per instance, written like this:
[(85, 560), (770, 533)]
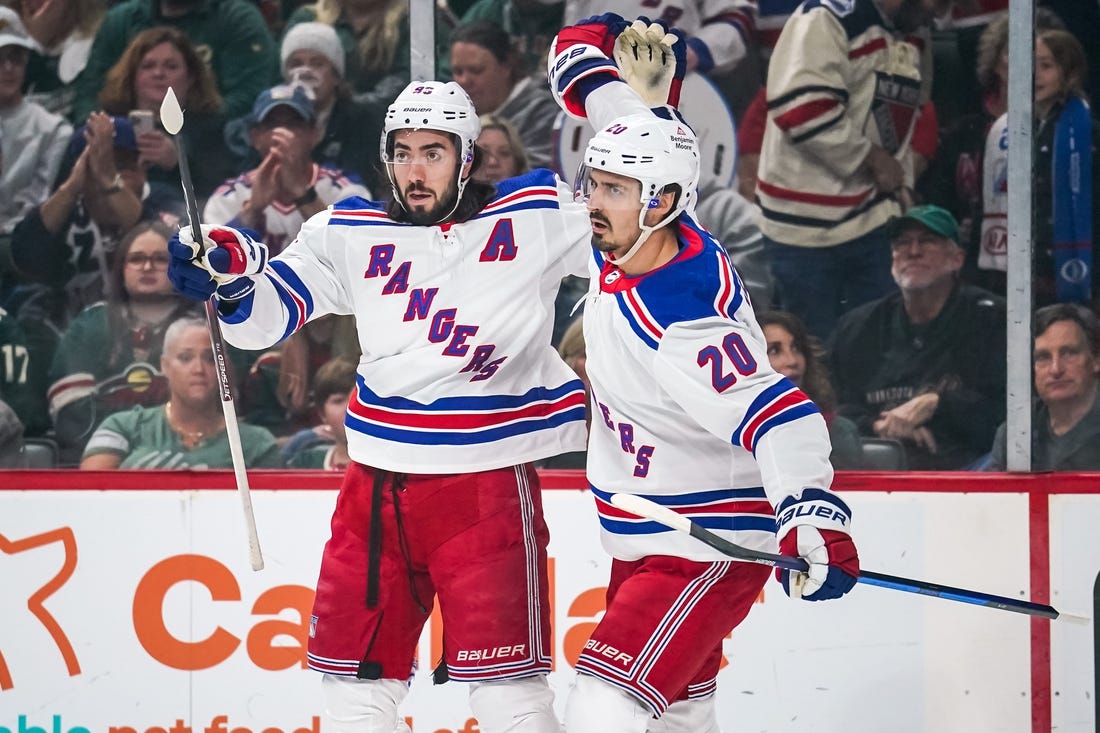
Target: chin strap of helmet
[(646, 232)]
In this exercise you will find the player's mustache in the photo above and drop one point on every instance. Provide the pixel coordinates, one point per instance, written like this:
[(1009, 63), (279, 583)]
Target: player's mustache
[(418, 188), (600, 219)]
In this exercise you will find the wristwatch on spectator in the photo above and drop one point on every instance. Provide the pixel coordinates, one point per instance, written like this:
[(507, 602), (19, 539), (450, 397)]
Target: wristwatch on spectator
[(306, 198)]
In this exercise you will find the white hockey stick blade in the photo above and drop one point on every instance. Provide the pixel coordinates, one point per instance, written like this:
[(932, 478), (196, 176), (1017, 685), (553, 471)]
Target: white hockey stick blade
[(171, 115), (1074, 618), (651, 510)]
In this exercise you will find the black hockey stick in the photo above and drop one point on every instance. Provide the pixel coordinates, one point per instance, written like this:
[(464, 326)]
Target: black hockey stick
[(643, 507), (171, 117)]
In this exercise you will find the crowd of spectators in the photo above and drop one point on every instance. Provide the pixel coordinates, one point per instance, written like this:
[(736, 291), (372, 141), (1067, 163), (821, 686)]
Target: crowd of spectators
[(867, 218)]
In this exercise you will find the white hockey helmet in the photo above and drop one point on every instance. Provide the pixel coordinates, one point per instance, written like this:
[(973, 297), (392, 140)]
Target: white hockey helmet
[(654, 151), (433, 105)]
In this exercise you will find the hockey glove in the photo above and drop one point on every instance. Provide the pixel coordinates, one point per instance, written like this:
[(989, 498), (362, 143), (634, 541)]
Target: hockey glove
[(583, 52), (223, 269), (653, 61), (815, 527)]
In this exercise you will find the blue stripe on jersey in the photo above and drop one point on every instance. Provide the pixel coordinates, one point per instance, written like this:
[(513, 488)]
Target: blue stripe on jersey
[(762, 400), (794, 413), (339, 221), (418, 437), (698, 501), (521, 206), (696, 497), (537, 178), (487, 403), (296, 299), (291, 278), (358, 203), (758, 523), (620, 299)]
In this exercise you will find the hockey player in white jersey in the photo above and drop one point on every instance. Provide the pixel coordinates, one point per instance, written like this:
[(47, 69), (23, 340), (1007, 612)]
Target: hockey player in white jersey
[(687, 412), (458, 391)]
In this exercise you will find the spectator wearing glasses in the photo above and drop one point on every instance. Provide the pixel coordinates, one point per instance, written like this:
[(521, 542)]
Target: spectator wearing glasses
[(108, 358), (1065, 421), (925, 365)]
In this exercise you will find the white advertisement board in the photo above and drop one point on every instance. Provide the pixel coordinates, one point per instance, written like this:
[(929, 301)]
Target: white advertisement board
[(136, 612)]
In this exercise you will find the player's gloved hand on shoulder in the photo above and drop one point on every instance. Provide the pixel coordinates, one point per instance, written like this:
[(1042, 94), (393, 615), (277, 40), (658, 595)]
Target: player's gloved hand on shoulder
[(223, 268), (816, 526), (583, 52), (652, 59)]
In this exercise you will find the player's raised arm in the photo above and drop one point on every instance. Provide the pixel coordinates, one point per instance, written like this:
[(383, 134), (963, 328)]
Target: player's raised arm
[(605, 67)]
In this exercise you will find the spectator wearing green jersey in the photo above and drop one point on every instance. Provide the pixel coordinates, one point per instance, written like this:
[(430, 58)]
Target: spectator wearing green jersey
[(188, 431)]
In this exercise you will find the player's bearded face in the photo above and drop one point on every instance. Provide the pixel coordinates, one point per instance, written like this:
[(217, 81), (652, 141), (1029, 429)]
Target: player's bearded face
[(425, 169), (426, 205)]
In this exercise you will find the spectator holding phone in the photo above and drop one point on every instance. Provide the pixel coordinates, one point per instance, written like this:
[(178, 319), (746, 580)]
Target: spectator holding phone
[(64, 246), (231, 35), (156, 60)]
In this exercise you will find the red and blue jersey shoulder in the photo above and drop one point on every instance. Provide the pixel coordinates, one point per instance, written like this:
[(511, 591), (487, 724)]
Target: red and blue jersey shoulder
[(358, 211), (537, 189), (700, 282)]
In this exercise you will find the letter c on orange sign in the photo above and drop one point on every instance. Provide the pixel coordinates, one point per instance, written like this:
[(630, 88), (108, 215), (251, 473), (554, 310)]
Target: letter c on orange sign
[(149, 612)]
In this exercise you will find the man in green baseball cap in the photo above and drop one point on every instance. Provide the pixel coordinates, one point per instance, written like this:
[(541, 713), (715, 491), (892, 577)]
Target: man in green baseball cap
[(936, 219), (924, 366)]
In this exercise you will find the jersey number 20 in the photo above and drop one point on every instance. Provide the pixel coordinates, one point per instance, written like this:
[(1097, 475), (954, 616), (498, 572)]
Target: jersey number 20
[(736, 353)]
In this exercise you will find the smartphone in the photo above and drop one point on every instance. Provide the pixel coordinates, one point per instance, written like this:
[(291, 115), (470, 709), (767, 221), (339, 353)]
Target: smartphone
[(142, 121)]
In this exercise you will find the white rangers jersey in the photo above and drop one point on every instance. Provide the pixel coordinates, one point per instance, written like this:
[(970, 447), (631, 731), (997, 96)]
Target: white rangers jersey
[(457, 372), (718, 31), (686, 409), (839, 80), (281, 220)]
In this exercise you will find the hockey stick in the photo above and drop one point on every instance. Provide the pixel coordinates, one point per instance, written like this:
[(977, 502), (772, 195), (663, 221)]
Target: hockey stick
[(643, 507), (171, 117)]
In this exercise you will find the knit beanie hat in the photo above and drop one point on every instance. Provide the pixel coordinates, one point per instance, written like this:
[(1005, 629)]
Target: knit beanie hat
[(318, 37)]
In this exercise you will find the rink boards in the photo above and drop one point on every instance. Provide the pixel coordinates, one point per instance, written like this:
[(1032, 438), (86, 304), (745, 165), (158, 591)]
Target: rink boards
[(128, 605)]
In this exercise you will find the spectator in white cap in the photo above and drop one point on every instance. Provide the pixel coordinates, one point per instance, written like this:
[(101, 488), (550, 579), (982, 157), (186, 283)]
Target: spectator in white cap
[(313, 58), (32, 140)]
